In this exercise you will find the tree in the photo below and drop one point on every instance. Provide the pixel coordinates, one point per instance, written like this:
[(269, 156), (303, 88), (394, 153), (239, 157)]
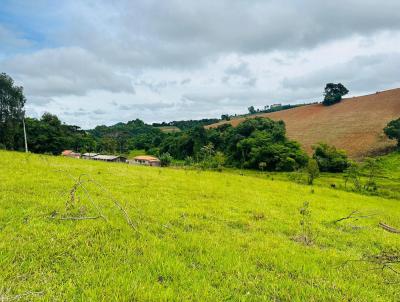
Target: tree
[(312, 170), (49, 135), (330, 159), (392, 131), (225, 117), (263, 140), (252, 110), (12, 101), (333, 93)]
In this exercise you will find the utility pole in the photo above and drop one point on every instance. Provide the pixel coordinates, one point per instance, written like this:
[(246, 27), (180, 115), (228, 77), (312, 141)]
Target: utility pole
[(26, 141)]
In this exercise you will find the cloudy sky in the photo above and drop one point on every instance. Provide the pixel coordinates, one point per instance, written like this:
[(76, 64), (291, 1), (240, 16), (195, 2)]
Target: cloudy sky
[(101, 62)]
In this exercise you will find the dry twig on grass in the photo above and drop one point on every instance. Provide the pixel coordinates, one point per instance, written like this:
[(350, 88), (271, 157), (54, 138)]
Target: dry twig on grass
[(78, 218), (389, 259), (386, 260), (389, 228), (80, 183), (356, 215), (116, 203)]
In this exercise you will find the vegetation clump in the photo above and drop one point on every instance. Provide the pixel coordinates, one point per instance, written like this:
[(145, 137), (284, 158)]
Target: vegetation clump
[(334, 93), (392, 131), (166, 159), (330, 159), (312, 170)]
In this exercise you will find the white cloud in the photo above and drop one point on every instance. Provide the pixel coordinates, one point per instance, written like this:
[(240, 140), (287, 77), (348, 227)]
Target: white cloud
[(109, 61), (65, 71)]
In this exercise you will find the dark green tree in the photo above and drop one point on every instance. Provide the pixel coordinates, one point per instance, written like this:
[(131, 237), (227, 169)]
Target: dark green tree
[(12, 101), (252, 110), (225, 117), (263, 140), (392, 131), (333, 93), (50, 135), (329, 158)]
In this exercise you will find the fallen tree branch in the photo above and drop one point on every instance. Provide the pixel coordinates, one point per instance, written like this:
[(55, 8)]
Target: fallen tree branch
[(78, 218), (116, 203), (386, 260), (389, 228), (80, 183), (354, 215)]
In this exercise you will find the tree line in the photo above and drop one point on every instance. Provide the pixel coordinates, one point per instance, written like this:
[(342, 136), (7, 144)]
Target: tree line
[(257, 143)]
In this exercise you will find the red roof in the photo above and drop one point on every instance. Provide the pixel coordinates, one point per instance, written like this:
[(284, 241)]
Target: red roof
[(146, 158), (67, 152)]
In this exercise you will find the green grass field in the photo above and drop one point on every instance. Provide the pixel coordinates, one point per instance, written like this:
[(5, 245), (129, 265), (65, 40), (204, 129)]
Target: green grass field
[(197, 236), (387, 180)]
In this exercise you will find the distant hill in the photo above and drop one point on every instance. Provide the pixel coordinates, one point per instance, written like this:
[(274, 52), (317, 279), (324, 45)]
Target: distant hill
[(354, 125)]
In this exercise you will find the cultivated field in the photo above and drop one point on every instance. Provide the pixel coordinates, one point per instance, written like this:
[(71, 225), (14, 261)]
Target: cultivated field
[(169, 129), (355, 125), (195, 236)]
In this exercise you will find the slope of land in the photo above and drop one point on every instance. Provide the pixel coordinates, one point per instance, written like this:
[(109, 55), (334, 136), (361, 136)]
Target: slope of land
[(354, 125), (386, 177), (200, 236)]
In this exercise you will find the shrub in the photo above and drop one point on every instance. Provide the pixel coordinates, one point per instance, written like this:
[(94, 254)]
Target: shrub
[(189, 161), (287, 164), (353, 174), (312, 170), (392, 131), (165, 159), (372, 169), (330, 159)]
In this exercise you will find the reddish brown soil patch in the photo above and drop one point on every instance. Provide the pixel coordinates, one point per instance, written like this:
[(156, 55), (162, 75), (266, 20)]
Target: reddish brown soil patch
[(354, 125)]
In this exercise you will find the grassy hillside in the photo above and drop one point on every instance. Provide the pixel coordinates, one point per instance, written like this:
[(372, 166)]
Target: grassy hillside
[(355, 125), (198, 236), (387, 179)]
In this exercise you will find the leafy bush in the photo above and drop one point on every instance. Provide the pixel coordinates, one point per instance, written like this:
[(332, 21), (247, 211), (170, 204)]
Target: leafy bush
[(330, 159), (392, 131), (353, 174), (312, 170), (165, 159), (189, 161)]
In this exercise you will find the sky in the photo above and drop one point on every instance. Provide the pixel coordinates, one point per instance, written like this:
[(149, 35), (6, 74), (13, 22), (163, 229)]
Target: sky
[(94, 62)]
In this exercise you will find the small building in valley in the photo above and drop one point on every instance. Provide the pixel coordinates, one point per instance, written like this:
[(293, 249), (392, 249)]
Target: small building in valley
[(70, 153), (146, 160), (110, 158), (89, 155)]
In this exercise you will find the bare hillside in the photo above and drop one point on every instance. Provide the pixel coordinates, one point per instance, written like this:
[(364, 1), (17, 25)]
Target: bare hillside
[(355, 124)]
